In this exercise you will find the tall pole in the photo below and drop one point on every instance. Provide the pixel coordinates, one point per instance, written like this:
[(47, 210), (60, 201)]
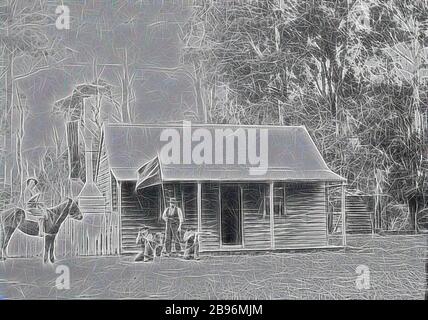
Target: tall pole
[(271, 216), (199, 200)]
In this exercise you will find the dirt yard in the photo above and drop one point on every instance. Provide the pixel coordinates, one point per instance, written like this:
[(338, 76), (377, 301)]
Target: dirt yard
[(396, 265)]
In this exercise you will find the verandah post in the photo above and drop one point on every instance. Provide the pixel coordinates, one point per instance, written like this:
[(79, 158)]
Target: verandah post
[(271, 216), (343, 208), (199, 201), (284, 195), (119, 207)]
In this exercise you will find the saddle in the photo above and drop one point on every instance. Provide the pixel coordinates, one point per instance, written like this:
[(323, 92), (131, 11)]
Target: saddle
[(32, 223), (34, 212)]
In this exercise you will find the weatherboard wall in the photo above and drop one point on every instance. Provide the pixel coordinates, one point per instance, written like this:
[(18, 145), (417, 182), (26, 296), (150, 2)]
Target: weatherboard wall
[(301, 224)]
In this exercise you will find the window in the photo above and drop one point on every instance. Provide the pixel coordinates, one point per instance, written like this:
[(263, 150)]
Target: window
[(279, 191)]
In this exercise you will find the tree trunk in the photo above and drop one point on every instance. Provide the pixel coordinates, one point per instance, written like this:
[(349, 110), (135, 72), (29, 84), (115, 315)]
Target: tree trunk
[(416, 112), (378, 205), (413, 209), (8, 122), (125, 93), (202, 114), (19, 140)]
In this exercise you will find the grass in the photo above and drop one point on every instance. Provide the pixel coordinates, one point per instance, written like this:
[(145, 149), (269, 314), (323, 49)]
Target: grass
[(396, 264)]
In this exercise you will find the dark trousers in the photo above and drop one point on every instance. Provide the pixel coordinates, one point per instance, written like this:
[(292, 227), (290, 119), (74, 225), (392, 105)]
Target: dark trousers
[(191, 249), (172, 234), (146, 253)]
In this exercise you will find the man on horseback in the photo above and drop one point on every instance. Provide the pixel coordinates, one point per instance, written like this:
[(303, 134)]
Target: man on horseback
[(33, 206)]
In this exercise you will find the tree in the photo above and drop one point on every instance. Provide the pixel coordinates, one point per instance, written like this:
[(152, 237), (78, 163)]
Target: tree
[(401, 61), (328, 65), (27, 49)]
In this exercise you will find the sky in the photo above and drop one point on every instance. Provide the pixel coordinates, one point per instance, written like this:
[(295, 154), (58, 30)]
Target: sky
[(149, 29)]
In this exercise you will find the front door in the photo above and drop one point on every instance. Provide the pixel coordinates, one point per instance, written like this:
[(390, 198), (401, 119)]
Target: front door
[(231, 220)]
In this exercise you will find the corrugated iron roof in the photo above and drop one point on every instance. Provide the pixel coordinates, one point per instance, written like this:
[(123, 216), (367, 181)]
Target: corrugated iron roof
[(291, 154)]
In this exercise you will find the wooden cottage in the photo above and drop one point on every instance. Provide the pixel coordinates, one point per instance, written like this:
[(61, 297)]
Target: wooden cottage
[(242, 187)]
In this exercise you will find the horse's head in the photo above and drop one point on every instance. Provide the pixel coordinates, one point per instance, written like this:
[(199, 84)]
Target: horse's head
[(74, 210)]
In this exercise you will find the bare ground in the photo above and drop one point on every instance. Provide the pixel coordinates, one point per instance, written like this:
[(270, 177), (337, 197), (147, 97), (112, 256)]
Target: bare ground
[(396, 265)]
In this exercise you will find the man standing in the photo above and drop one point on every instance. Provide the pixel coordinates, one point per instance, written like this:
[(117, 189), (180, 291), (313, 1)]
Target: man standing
[(173, 217), (33, 206)]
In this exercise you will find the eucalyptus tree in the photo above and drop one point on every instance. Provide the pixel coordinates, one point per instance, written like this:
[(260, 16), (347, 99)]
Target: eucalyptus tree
[(351, 71), (400, 62), (27, 49)]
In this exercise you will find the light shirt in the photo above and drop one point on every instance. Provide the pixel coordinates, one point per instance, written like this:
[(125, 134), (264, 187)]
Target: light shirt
[(179, 213), (31, 196)]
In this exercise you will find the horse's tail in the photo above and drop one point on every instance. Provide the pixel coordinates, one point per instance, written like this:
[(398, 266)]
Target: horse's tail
[(12, 217)]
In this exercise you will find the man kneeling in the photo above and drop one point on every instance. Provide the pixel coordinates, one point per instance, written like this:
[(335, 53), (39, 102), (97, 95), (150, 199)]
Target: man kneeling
[(151, 244), (191, 249)]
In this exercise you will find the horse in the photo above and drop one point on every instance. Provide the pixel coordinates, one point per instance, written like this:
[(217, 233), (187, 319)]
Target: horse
[(51, 225), (10, 219)]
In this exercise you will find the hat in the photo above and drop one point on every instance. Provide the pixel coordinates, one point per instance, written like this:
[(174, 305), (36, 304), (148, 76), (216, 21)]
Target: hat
[(144, 227), (32, 178), (173, 200)]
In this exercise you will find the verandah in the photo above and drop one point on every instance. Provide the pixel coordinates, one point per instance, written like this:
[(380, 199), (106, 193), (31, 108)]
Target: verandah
[(236, 216)]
